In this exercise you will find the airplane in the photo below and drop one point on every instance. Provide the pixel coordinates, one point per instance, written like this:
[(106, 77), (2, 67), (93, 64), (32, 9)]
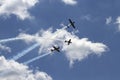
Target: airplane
[(55, 49), (71, 23), (69, 41)]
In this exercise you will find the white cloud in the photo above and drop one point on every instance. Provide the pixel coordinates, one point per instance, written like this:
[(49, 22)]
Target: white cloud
[(11, 70), (17, 7), (108, 20), (82, 48), (5, 48), (70, 2), (78, 50), (118, 22), (86, 17)]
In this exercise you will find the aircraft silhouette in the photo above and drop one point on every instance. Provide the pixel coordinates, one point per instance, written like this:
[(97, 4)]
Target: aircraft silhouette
[(68, 42), (71, 23), (55, 49)]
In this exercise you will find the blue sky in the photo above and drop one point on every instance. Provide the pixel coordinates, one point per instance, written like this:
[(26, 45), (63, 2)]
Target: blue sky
[(28, 29)]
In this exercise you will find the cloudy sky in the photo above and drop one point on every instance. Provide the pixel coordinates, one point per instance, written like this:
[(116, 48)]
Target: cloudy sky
[(30, 28)]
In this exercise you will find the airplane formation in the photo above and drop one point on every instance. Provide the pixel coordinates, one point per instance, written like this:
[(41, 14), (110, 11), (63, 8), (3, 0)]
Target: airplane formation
[(57, 48)]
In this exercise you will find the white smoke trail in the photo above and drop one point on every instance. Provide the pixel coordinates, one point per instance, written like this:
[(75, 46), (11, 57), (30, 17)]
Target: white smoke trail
[(24, 52), (9, 39), (80, 48), (36, 58)]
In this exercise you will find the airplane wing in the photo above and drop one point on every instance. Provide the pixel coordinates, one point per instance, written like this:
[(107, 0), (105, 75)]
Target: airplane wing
[(58, 50), (70, 20), (73, 25)]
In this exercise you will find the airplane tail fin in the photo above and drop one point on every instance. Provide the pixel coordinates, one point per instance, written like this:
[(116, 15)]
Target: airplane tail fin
[(52, 50), (68, 26)]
